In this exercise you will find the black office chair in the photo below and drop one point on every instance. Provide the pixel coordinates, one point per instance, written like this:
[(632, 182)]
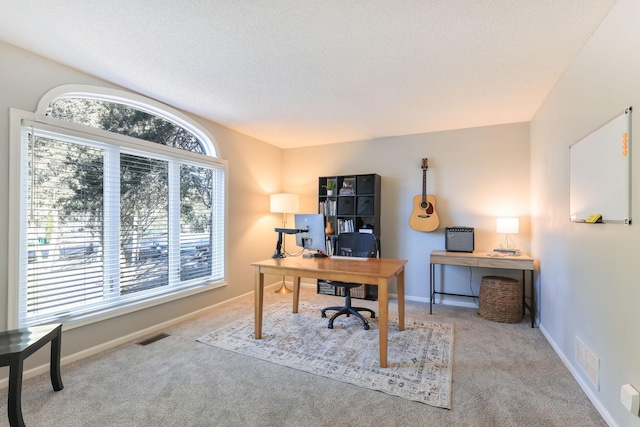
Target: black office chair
[(352, 244)]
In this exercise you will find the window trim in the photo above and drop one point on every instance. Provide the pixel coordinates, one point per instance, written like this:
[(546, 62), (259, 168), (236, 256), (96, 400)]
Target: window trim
[(16, 119), (138, 101)]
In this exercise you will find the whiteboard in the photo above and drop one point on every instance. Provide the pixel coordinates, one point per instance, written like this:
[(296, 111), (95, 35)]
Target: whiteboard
[(600, 174)]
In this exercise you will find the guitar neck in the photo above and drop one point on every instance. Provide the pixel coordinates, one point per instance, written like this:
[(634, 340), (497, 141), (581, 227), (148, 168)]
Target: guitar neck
[(424, 185)]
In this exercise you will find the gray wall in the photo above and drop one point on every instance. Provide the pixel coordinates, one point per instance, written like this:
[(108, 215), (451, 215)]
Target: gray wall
[(475, 175), (254, 172), (589, 274)]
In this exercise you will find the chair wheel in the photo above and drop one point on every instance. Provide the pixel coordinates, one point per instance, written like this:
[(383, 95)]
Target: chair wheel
[(330, 326), (366, 327), (373, 315), (323, 315)]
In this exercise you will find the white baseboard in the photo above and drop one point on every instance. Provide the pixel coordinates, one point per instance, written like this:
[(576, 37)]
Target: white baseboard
[(44, 368), (581, 382)]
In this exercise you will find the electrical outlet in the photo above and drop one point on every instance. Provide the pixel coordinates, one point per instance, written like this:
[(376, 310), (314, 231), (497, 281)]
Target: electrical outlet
[(630, 398)]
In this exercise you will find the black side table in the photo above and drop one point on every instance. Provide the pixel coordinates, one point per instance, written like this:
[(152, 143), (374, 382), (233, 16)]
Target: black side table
[(15, 347)]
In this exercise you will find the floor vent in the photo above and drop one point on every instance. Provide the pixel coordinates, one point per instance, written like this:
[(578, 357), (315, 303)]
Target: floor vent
[(153, 339)]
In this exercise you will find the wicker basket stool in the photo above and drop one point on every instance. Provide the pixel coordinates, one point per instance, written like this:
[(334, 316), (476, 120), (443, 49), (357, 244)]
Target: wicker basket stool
[(500, 299)]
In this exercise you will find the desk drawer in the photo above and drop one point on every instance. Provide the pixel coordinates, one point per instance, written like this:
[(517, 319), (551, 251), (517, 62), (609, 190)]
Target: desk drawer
[(507, 263), (467, 261)]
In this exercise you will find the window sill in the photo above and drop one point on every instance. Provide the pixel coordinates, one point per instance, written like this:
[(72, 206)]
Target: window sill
[(84, 319)]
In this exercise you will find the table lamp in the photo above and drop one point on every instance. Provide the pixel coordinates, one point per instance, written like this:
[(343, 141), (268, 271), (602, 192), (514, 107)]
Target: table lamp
[(507, 226), (284, 203)]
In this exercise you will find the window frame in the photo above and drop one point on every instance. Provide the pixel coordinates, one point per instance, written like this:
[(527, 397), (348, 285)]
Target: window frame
[(17, 119)]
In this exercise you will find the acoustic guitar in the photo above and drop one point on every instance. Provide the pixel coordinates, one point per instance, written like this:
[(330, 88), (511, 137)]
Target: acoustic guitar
[(424, 216)]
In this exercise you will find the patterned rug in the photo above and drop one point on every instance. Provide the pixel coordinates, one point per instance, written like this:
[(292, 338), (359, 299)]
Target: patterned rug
[(419, 359)]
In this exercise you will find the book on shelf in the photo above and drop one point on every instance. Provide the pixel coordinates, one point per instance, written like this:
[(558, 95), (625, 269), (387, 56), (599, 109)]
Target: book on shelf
[(325, 288), (327, 207), (345, 226), (366, 228), (359, 292), (348, 186), (512, 252), (329, 247)]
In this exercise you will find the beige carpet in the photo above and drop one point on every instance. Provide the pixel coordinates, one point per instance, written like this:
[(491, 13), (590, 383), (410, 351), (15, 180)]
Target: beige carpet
[(504, 375), (420, 358)]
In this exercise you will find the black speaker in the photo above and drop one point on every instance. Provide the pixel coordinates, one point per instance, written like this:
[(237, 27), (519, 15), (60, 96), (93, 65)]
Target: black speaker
[(459, 239)]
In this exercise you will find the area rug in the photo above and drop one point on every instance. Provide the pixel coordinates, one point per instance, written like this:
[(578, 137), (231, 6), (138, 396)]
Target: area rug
[(419, 358)]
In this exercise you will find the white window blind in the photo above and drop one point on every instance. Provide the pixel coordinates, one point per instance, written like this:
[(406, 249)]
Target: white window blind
[(144, 223), (104, 224), (63, 268)]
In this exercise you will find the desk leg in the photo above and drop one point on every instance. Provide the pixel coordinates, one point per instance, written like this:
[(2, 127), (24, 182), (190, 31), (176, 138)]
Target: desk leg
[(533, 301), (296, 293), (14, 408), (383, 314), (258, 295), (54, 368), (432, 274), (400, 285), (524, 294)]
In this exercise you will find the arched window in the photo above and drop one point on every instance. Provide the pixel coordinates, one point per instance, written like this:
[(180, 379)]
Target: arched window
[(124, 119), (122, 204)]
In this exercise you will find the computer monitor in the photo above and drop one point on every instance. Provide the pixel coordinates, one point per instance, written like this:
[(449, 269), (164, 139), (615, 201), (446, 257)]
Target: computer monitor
[(313, 238)]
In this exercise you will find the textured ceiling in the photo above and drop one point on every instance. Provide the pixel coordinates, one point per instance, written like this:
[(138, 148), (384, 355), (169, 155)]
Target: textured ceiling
[(305, 72)]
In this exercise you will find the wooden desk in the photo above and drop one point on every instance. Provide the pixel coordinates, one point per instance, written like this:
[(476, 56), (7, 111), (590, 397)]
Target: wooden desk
[(17, 345), (373, 271), (481, 259)]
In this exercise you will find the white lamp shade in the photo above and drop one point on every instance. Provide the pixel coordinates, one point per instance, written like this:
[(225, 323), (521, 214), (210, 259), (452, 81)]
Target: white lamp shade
[(507, 225), (284, 203)]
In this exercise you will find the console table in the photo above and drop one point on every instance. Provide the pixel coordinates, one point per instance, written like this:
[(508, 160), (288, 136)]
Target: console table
[(15, 346), (483, 260)]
